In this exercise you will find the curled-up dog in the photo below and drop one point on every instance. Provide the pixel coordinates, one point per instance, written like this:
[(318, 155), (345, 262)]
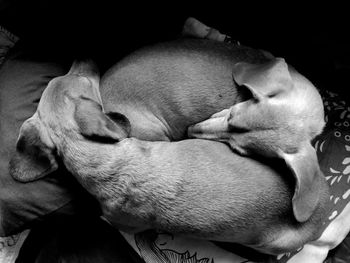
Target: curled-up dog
[(192, 187), (259, 104)]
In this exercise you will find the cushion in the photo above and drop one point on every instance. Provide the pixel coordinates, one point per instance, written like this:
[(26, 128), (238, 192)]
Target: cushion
[(23, 77)]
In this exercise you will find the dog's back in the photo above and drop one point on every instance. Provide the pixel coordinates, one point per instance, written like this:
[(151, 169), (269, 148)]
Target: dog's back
[(245, 200), (180, 82)]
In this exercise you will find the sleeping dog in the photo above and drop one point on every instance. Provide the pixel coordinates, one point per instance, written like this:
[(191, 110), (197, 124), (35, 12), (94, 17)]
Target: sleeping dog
[(230, 93), (193, 187)]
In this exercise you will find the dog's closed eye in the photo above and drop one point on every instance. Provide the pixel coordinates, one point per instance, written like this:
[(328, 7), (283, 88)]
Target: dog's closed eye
[(237, 129)]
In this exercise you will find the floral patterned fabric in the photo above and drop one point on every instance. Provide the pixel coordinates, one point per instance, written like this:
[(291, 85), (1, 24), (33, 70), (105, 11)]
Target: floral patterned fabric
[(333, 148), (10, 246)]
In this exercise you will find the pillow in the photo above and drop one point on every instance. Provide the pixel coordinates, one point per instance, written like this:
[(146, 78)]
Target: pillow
[(23, 77)]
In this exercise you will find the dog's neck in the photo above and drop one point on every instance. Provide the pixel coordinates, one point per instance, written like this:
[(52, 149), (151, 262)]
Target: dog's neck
[(100, 168)]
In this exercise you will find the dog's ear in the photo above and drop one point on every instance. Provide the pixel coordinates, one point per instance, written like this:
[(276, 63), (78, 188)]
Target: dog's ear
[(308, 176), (264, 80), (34, 156), (96, 125)]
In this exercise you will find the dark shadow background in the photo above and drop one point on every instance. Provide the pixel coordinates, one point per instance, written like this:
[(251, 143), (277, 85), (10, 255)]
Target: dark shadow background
[(312, 39)]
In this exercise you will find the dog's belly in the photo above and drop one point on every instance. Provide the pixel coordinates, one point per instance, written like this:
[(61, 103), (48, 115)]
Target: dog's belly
[(165, 88)]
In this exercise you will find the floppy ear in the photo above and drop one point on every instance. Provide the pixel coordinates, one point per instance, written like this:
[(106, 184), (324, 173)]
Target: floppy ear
[(96, 125), (263, 80), (305, 167), (33, 158)]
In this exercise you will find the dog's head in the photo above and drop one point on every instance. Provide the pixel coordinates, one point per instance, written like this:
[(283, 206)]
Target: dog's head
[(284, 113), (70, 107)]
